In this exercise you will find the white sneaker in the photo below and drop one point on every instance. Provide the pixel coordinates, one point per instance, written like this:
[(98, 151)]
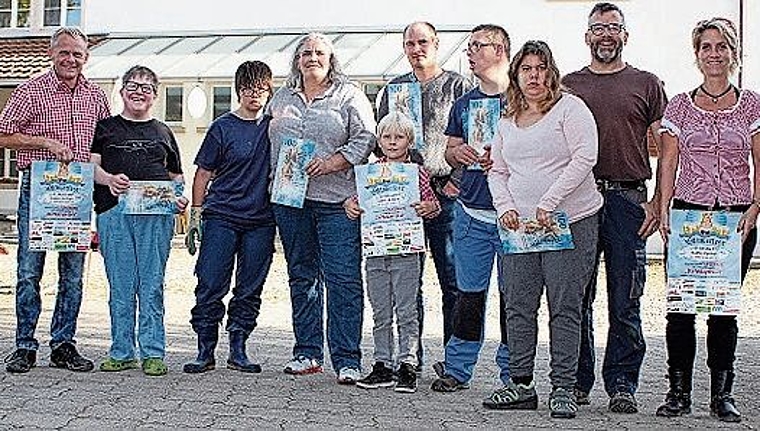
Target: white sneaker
[(348, 376), (301, 365)]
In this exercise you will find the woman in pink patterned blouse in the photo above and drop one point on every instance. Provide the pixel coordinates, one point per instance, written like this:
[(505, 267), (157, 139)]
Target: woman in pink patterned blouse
[(708, 136)]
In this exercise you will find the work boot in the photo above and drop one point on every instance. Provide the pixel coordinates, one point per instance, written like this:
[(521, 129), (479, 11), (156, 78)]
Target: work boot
[(205, 360), (722, 404), (678, 398), (238, 360)]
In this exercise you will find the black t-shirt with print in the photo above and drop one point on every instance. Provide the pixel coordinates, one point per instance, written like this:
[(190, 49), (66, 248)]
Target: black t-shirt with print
[(142, 150)]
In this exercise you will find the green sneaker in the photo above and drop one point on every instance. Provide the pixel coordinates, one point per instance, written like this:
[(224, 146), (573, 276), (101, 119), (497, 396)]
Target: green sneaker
[(513, 396), (154, 367), (112, 364)]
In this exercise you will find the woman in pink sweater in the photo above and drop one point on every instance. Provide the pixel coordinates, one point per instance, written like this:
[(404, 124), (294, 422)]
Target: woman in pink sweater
[(542, 159)]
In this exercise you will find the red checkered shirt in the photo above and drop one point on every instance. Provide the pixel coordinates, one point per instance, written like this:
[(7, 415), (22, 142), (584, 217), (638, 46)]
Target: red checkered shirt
[(426, 192), (45, 106)]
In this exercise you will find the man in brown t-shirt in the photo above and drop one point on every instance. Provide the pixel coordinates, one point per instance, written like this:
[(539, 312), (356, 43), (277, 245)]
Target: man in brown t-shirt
[(626, 103)]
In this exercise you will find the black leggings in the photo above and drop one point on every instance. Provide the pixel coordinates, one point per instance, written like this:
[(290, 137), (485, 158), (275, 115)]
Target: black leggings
[(722, 331)]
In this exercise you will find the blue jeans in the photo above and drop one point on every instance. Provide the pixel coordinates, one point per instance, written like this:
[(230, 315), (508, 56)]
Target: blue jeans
[(477, 245), (225, 244), (323, 253), (625, 265), (440, 237), (135, 249), (29, 272)]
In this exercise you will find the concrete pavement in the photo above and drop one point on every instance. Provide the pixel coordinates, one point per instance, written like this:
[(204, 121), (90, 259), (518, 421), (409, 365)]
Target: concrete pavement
[(48, 398)]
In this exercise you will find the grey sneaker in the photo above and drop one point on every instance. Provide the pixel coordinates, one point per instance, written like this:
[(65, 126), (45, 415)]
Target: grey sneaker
[(513, 396), (562, 403), (623, 402), (581, 397)]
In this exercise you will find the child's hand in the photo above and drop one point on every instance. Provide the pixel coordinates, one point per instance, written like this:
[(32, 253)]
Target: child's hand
[(351, 205), (427, 209)]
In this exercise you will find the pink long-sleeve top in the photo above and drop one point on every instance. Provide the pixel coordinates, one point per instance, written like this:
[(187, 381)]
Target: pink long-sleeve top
[(548, 164)]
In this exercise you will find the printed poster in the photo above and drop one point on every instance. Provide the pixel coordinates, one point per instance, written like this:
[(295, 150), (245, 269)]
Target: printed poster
[(407, 99), (150, 197), (482, 125), (531, 237), (60, 207), (290, 179), (704, 263), (389, 224)]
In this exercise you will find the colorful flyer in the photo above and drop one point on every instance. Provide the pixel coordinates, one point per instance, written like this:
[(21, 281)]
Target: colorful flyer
[(406, 98), (150, 197), (704, 263), (531, 237), (482, 125), (290, 179), (389, 224), (60, 211)]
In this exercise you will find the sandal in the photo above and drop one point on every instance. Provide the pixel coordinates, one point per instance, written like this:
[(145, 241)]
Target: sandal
[(112, 364), (154, 367)]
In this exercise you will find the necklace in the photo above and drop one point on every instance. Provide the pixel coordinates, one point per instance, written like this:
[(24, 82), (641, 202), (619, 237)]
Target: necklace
[(716, 97)]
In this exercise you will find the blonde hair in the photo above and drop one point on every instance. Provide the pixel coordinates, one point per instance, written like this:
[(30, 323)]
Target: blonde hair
[(727, 29), (396, 122)]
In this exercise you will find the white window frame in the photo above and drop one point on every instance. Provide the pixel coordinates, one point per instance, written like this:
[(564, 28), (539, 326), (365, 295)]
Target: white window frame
[(14, 15), (64, 9)]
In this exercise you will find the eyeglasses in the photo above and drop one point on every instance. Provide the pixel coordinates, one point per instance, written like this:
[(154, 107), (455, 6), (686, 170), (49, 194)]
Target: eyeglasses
[(613, 28), (251, 92), (476, 46), (144, 88)]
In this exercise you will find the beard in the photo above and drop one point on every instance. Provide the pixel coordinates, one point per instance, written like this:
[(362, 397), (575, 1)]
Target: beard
[(605, 54)]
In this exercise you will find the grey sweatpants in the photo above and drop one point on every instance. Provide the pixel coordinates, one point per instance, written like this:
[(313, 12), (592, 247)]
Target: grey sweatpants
[(565, 274), (393, 282)]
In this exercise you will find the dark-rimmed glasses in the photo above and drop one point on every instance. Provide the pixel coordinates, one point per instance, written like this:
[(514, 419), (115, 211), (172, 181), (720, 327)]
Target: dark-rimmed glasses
[(145, 88), (613, 28), (251, 92), (476, 46)]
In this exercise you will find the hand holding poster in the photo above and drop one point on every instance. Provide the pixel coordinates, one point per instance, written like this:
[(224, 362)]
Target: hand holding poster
[(704, 262), (389, 224), (482, 125), (531, 237), (290, 178), (150, 197), (60, 207)]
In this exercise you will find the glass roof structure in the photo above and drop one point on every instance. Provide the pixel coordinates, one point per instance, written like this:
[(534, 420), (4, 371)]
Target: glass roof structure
[(364, 54)]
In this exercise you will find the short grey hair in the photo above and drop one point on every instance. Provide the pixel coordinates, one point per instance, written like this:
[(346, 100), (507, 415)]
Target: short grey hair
[(334, 73), (74, 32)]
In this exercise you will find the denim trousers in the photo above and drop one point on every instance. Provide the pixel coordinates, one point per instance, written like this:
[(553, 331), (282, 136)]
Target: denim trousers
[(722, 331), (477, 246), (29, 272), (135, 249), (625, 264), (225, 246), (439, 232), (323, 253), (564, 274)]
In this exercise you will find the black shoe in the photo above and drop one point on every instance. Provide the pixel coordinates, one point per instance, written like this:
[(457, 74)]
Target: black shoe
[(448, 384), (205, 361), (21, 361), (407, 379), (623, 402), (66, 356), (380, 377)]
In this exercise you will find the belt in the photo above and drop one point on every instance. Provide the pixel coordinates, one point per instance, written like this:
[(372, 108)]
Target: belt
[(683, 205), (603, 185)]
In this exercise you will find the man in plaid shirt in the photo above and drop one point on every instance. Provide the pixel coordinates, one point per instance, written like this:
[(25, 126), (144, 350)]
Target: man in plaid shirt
[(51, 117)]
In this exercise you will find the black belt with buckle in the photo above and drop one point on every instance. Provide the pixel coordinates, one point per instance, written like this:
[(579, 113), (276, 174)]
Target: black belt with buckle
[(621, 185)]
